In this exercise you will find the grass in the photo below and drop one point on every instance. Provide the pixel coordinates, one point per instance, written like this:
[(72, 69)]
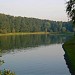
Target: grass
[(69, 48), (32, 33), (24, 33)]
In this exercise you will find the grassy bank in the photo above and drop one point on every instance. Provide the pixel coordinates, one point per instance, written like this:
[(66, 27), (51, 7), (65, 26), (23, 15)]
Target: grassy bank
[(26, 33), (34, 33), (69, 48)]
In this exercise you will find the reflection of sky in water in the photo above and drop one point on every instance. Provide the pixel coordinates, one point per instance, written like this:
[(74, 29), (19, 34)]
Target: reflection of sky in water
[(39, 60)]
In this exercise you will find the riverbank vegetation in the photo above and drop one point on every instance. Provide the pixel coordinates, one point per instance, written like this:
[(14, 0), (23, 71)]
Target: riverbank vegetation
[(69, 48), (37, 33), (26, 33), (12, 24), (6, 72)]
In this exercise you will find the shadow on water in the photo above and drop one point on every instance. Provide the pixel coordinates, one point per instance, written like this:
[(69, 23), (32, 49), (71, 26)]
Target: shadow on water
[(69, 48)]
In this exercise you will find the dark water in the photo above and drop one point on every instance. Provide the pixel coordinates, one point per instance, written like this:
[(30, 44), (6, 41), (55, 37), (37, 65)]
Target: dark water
[(34, 54)]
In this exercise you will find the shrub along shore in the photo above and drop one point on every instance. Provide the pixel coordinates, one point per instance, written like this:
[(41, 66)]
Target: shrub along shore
[(69, 48)]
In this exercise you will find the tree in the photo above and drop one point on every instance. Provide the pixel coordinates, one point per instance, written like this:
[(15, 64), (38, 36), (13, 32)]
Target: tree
[(11, 24), (59, 26), (63, 29), (71, 10), (47, 26)]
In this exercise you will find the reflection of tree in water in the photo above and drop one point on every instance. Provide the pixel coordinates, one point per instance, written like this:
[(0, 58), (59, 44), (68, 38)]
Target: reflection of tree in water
[(8, 43), (11, 43)]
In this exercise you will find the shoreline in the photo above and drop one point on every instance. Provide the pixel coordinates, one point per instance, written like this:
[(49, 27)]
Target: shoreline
[(34, 33), (24, 33)]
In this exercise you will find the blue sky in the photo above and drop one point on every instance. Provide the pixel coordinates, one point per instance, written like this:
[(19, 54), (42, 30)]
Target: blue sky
[(43, 9)]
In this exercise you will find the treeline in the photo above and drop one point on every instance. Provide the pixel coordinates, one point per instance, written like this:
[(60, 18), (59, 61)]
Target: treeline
[(11, 24)]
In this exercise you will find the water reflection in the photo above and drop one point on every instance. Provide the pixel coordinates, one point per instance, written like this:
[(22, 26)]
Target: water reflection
[(18, 42), (43, 59)]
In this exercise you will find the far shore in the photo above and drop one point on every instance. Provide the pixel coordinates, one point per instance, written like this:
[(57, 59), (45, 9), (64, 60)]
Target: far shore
[(34, 33)]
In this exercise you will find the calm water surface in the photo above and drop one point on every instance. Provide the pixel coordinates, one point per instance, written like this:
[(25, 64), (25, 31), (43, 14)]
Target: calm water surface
[(34, 54)]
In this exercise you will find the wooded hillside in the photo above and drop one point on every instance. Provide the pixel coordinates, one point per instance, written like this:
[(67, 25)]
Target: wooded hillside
[(11, 24)]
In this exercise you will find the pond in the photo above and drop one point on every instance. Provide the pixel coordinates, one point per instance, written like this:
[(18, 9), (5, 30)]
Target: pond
[(34, 54)]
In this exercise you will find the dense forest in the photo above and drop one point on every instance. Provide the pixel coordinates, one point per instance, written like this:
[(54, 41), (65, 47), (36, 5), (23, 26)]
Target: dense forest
[(12, 24)]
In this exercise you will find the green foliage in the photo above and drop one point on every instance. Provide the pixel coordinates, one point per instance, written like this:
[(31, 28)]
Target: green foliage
[(71, 9), (6, 72), (1, 62), (63, 29), (69, 48), (11, 24), (47, 26)]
